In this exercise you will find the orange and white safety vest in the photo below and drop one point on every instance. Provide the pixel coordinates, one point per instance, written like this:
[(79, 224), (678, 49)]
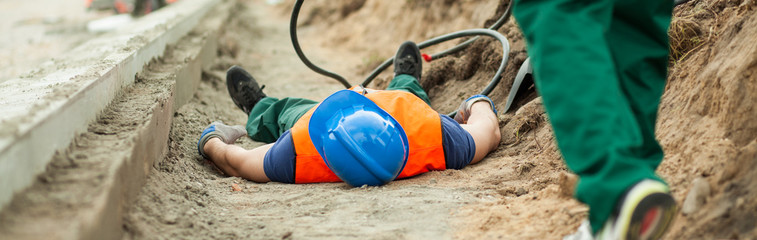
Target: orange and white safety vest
[(421, 123)]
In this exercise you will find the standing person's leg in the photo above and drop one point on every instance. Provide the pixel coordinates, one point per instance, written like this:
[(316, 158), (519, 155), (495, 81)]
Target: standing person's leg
[(639, 43), (594, 125)]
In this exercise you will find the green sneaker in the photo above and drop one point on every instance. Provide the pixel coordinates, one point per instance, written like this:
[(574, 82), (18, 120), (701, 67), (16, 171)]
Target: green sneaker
[(646, 212)]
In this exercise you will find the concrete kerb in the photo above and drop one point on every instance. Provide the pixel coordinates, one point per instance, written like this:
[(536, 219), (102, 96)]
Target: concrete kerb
[(86, 189), (45, 109)]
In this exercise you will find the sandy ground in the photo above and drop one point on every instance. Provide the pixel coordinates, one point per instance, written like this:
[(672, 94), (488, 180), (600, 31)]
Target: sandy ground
[(520, 191), (186, 195)]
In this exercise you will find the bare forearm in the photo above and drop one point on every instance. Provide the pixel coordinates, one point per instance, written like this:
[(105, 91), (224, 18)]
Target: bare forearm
[(484, 128), (237, 161)]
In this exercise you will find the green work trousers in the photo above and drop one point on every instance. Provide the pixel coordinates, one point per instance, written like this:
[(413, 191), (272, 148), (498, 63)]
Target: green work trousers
[(272, 116), (600, 67)]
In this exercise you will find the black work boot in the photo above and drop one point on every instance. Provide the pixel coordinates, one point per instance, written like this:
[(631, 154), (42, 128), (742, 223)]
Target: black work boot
[(243, 88), (408, 60)]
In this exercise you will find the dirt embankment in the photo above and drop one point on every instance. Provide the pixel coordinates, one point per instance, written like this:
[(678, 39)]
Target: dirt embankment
[(707, 114), (522, 190)]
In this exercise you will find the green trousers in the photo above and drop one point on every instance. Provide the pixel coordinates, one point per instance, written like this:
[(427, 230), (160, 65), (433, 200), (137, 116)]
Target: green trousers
[(271, 116), (600, 66)]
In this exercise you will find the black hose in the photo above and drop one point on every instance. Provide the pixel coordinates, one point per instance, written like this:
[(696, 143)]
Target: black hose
[(501, 21), (472, 32), (464, 33), (293, 35)]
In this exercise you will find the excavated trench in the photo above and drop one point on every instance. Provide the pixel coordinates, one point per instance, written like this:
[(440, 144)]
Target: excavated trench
[(186, 197), (108, 183), (522, 190)]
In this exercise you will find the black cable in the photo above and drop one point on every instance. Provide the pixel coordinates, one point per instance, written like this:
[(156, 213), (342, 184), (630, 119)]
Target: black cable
[(501, 21), (296, 44), (293, 35), (471, 32)]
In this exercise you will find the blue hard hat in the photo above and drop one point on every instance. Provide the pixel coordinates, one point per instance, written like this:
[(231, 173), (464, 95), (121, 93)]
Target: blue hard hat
[(360, 142)]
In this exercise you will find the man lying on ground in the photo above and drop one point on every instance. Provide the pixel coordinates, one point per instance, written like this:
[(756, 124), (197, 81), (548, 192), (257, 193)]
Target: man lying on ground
[(366, 136)]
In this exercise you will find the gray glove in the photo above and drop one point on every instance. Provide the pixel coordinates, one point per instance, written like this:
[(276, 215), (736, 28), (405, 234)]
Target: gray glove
[(463, 112), (227, 134)]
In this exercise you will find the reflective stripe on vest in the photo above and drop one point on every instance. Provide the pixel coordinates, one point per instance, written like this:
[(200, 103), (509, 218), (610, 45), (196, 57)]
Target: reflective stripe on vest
[(421, 124)]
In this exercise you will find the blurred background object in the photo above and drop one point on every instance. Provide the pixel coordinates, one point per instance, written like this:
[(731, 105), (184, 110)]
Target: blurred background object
[(134, 7), (37, 31)]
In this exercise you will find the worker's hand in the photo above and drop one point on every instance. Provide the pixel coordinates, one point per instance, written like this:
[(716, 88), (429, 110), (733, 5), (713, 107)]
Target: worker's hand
[(463, 112), (226, 133), (362, 90)]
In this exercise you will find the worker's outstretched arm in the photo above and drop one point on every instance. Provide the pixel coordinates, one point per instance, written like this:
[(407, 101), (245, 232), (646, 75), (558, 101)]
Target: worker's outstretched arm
[(483, 126), (237, 161)]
